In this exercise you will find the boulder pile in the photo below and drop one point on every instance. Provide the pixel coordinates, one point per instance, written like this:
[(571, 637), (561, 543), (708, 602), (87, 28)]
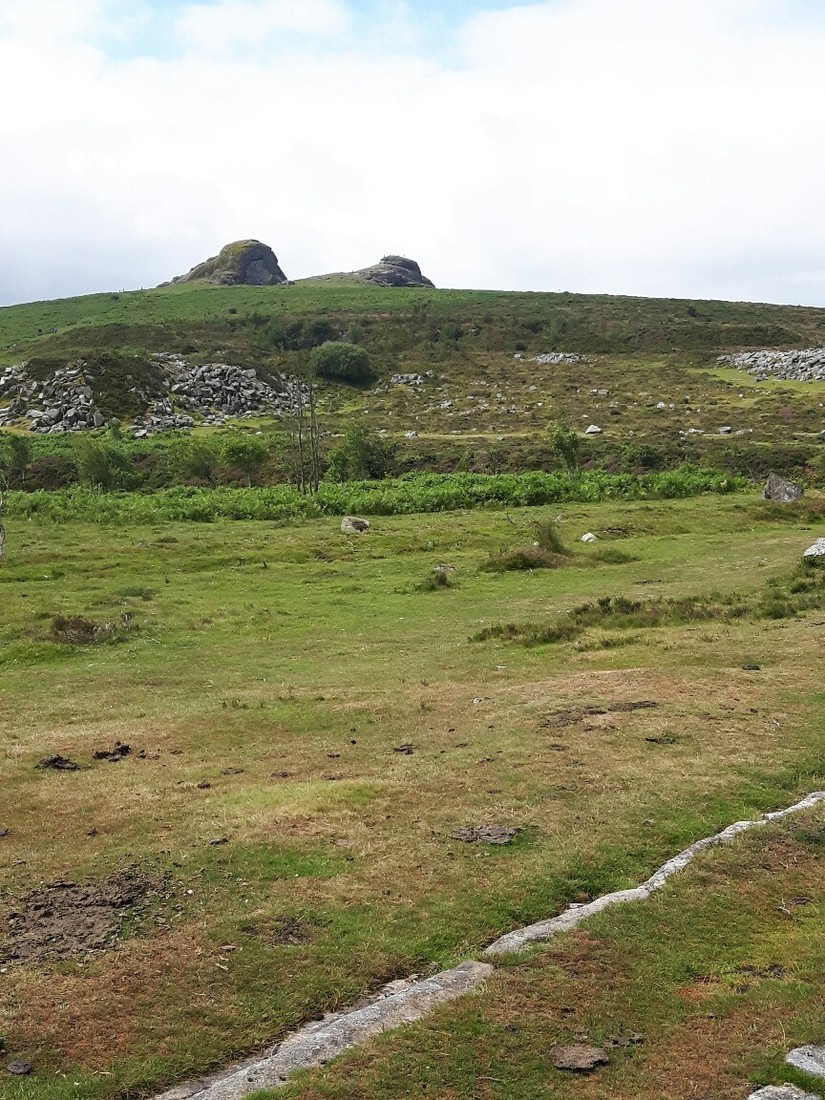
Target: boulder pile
[(65, 403), (807, 365), (207, 394)]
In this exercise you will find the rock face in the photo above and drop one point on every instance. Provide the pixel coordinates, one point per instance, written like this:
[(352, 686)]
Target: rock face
[(248, 263), (781, 489), (395, 271)]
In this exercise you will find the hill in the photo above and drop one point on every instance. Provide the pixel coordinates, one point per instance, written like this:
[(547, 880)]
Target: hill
[(466, 379)]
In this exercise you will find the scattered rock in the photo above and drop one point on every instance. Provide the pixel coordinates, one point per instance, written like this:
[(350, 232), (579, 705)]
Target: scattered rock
[(4, 832), (578, 1057), (593, 429), (486, 834), (782, 1092), (114, 755), (589, 537), (20, 1068), (807, 365), (66, 920), (405, 750), (58, 763), (815, 551), (751, 667), (553, 358), (352, 525), (809, 1059), (248, 263), (219, 842), (781, 489)]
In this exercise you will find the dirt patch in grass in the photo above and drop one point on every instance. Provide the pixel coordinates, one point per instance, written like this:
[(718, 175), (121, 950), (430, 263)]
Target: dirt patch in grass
[(66, 920), (571, 716)]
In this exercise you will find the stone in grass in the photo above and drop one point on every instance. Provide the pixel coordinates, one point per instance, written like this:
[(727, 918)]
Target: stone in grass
[(781, 489), (809, 1059), (20, 1068), (352, 525), (593, 429), (816, 551), (781, 1092), (578, 1057), (486, 834), (589, 537)]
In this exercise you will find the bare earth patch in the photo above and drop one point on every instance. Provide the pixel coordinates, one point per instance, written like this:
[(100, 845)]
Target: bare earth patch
[(66, 920)]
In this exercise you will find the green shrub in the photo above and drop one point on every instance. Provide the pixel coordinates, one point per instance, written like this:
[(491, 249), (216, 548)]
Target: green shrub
[(341, 362), (360, 454), (524, 559)]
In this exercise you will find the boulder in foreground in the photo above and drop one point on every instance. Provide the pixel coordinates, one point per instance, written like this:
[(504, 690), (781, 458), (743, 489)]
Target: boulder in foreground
[(781, 489)]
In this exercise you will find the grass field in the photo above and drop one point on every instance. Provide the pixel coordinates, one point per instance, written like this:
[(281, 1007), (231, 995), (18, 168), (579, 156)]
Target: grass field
[(310, 719)]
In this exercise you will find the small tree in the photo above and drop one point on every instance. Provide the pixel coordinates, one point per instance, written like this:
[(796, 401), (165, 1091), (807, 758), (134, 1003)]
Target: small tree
[(101, 465), (244, 452), (565, 443), (15, 453), (360, 454), (341, 362)]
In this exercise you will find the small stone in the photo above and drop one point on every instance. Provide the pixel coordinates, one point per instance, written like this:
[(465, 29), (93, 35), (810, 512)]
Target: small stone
[(593, 429), (352, 525), (578, 1057), (589, 537), (815, 551), (20, 1068), (58, 763)]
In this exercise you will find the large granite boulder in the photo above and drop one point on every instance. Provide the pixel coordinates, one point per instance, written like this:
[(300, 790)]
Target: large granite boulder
[(782, 489), (248, 263)]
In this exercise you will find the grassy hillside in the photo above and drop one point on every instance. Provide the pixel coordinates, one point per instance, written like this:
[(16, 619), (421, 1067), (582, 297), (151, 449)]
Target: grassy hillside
[(651, 372)]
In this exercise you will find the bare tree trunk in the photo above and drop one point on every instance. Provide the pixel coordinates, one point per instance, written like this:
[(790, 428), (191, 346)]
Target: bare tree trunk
[(314, 436)]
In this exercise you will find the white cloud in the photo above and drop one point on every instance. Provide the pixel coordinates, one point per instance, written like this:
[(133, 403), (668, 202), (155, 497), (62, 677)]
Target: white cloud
[(643, 147), (225, 27)]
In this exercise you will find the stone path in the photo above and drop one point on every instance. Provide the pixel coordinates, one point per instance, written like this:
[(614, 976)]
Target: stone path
[(404, 1002)]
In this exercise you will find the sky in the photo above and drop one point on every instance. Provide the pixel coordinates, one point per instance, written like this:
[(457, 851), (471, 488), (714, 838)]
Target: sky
[(651, 147)]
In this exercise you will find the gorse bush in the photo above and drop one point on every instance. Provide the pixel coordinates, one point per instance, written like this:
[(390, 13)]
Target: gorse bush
[(341, 362)]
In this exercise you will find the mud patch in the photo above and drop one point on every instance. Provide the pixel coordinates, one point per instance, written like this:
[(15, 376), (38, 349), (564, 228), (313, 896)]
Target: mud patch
[(67, 920), (571, 716)]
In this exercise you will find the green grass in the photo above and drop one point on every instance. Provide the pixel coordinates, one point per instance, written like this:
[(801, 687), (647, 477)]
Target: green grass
[(270, 676)]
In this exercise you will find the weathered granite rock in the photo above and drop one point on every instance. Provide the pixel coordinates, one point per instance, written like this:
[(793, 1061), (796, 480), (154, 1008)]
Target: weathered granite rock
[(782, 1092), (817, 550), (391, 271), (593, 429), (781, 489), (809, 1059), (352, 525), (248, 263), (805, 365)]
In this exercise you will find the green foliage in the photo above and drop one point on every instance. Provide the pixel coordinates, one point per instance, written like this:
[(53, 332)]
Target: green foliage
[(549, 538), (341, 362), (102, 465), (402, 496), (196, 457), (248, 453), (360, 454), (15, 454), (524, 559), (565, 444)]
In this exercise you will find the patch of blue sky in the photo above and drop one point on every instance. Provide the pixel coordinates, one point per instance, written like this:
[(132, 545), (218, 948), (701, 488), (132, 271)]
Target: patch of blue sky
[(147, 28)]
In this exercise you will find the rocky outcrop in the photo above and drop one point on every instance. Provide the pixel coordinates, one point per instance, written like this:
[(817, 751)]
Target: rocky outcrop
[(392, 271), (206, 394), (242, 263), (395, 271), (806, 365)]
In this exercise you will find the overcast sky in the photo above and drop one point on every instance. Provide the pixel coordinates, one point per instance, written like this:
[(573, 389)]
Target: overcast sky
[(654, 147)]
